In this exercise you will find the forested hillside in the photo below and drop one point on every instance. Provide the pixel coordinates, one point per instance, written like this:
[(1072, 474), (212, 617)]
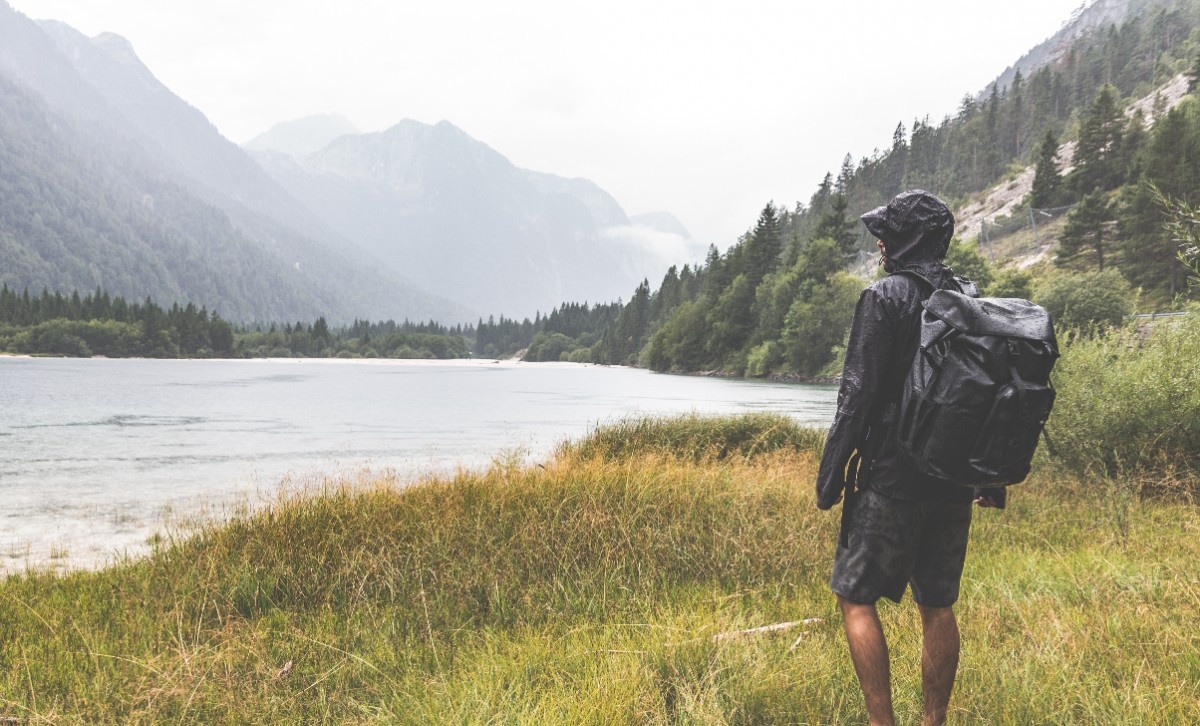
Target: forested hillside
[(780, 300)]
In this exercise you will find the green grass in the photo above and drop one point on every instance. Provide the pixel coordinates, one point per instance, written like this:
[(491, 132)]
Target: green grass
[(589, 589), (695, 437)]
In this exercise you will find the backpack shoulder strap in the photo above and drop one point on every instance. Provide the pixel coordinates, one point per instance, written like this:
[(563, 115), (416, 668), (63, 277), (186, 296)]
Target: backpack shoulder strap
[(965, 286)]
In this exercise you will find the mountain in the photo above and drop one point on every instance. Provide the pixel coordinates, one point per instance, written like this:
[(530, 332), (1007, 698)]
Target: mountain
[(1089, 17), (110, 180), (302, 136), (456, 215)]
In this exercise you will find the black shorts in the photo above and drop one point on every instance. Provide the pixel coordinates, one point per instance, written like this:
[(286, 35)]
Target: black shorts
[(894, 543)]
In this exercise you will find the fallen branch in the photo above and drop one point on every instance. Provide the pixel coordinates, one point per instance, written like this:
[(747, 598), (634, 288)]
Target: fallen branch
[(777, 627)]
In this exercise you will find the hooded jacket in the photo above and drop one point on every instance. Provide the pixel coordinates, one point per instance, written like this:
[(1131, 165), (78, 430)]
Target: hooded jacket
[(915, 228)]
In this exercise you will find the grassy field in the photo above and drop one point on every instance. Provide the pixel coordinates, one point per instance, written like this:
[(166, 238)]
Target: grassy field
[(605, 586)]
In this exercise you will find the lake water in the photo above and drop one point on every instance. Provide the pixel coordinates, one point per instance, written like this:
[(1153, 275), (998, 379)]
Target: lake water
[(97, 455)]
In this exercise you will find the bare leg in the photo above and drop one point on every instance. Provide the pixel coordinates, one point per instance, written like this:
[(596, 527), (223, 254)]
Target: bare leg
[(939, 661), (869, 652)]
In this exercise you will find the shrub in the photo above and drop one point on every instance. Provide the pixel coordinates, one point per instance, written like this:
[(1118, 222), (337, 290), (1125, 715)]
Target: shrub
[(1079, 301), (1011, 282), (1129, 402), (967, 261)]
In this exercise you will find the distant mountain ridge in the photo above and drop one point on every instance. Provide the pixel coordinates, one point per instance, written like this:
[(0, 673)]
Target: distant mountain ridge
[(303, 136), (455, 214)]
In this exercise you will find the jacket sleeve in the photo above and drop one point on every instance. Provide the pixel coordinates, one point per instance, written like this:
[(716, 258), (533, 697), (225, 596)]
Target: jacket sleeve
[(870, 347)]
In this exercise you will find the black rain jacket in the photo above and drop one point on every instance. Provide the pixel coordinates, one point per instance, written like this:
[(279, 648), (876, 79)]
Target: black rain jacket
[(883, 340)]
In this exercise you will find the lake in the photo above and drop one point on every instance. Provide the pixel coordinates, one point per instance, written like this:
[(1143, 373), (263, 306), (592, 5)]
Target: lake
[(98, 454)]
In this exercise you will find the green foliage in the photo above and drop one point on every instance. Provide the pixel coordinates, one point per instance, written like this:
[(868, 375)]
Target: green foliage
[(1151, 208), (1011, 282), (681, 343), (1088, 235), (621, 342), (496, 338), (549, 347), (1086, 300), (1183, 228), (967, 261), (731, 321), (1047, 181), (1098, 156), (97, 324), (1129, 402), (764, 246), (835, 225), (818, 322), (788, 323)]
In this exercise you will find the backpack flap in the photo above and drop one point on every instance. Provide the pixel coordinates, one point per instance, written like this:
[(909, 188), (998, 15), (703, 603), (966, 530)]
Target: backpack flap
[(1000, 316)]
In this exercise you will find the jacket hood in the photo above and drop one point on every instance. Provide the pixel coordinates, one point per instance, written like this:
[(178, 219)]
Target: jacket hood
[(915, 225)]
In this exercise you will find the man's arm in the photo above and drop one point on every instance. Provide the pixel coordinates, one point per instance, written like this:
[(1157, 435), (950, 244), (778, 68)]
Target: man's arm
[(872, 336)]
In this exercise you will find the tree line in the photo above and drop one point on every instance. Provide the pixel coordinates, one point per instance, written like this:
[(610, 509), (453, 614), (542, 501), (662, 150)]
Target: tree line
[(101, 324)]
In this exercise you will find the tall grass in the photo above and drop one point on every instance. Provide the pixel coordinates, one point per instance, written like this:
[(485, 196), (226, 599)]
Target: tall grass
[(696, 437), (1129, 404), (588, 590)]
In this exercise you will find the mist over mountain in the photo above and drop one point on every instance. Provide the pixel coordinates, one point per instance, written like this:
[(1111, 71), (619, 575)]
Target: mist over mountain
[(664, 222), (112, 181), (457, 216), (302, 136)]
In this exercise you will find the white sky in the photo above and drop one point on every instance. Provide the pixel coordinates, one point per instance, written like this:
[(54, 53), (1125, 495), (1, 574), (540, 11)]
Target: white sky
[(704, 109)]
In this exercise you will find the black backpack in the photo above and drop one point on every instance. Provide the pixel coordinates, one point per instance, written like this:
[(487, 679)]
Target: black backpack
[(978, 391)]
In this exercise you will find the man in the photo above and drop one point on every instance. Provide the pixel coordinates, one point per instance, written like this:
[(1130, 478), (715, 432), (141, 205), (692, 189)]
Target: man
[(899, 526)]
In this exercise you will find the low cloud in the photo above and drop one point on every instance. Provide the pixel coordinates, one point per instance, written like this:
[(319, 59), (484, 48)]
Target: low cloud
[(651, 251)]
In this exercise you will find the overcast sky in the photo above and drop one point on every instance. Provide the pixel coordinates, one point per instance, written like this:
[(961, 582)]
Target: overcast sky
[(704, 109)]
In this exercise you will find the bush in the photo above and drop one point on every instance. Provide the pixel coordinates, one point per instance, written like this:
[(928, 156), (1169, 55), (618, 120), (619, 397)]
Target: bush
[(549, 347), (1129, 402), (1084, 300), (967, 261), (764, 359), (1011, 282)]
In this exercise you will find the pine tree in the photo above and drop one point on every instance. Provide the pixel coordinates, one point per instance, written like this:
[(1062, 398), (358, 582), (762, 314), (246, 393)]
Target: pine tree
[(1016, 114), (835, 226), (631, 326), (1046, 179), (1087, 231), (1098, 155), (845, 176), (764, 245)]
